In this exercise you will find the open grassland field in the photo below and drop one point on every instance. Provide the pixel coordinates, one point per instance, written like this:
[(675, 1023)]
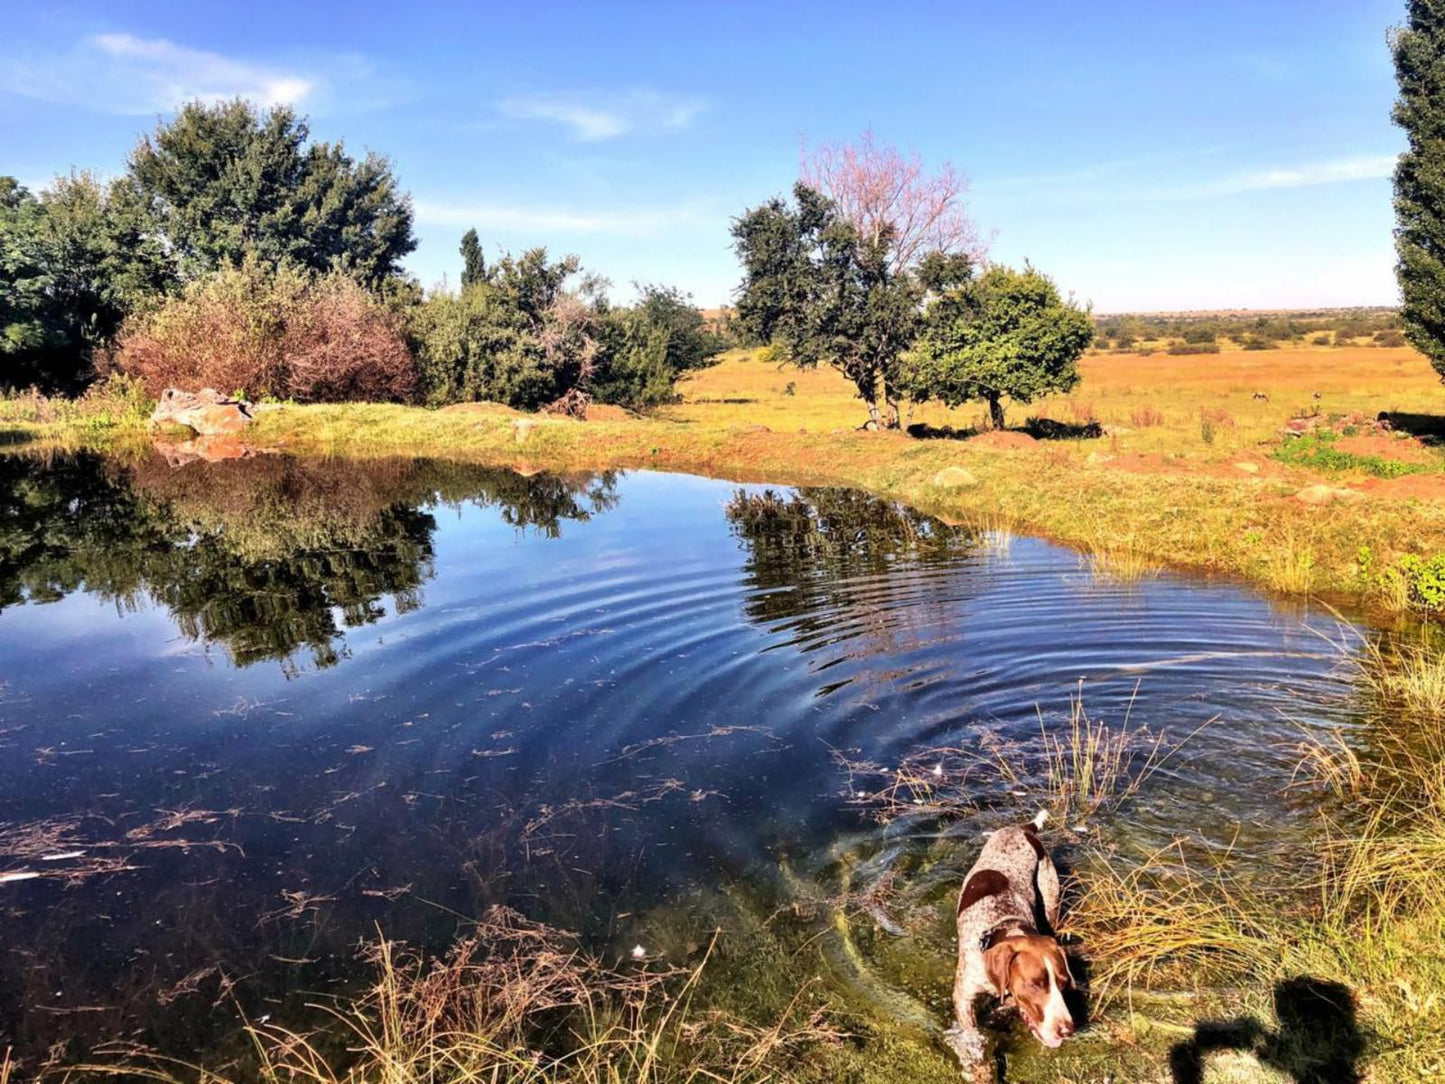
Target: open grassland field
[(1192, 469)]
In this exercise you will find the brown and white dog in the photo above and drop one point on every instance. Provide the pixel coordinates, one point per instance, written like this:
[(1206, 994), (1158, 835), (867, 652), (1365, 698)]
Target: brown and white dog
[(1007, 911)]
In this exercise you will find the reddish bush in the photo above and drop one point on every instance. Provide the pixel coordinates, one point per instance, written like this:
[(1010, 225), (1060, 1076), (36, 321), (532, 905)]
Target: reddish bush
[(271, 333)]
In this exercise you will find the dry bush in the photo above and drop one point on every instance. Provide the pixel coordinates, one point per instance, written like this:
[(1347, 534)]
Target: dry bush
[(1146, 416), (1217, 416), (271, 333)]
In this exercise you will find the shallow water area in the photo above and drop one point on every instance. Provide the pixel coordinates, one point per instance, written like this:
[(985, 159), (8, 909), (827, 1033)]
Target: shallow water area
[(254, 711)]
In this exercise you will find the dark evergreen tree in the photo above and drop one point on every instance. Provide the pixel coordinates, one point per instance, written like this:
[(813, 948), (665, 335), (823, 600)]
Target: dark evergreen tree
[(474, 267), (1419, 49), (223, 182)]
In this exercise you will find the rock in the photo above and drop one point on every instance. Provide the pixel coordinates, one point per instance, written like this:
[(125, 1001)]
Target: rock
[(523, 427), (1323, 494), (1117, 430), (1248, 468), (954, 478), (207, 411), (1096, 458)]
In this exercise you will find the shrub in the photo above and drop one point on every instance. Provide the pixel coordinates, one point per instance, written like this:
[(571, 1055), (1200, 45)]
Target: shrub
[(1391, 338), (1146, 416), (268, 332), (1193, 348), (1423, 580)]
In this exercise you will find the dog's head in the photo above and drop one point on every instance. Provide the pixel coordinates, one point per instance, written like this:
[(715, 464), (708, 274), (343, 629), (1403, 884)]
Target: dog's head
[(1033, 970)]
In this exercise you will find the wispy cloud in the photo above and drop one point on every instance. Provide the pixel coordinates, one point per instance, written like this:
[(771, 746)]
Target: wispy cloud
[(599, 116), (633, 222), (1120, 181), (130, 75), (1360, 168)]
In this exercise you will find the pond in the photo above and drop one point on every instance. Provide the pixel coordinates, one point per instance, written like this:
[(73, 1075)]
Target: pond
[(253, 712)]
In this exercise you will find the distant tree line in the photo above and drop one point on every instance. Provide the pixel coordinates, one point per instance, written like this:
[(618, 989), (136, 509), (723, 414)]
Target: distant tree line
[(1180, 333), (234, 251)]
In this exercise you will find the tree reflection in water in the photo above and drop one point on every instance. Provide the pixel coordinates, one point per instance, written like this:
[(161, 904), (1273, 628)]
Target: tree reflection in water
[(843, 567), (269, 557)]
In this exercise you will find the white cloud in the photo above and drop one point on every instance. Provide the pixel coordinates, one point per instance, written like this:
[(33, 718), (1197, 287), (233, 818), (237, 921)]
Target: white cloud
[(594, 117), (1363, 168), (130, 75), (636, 222)]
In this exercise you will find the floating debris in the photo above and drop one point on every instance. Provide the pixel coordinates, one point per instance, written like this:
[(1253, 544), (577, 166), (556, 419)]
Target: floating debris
[(64, 857), (18, 875)]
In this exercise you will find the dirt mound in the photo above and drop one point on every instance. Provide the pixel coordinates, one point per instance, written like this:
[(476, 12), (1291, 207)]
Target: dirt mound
[(606, 412), (1003, 438)]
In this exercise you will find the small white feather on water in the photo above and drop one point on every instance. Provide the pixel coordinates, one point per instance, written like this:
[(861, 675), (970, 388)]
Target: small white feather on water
[(638, 952)]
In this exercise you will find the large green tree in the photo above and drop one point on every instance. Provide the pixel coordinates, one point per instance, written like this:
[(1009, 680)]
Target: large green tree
[(1419, 48), (73, 263), (819, 291), (224, 181), (1004, 333)]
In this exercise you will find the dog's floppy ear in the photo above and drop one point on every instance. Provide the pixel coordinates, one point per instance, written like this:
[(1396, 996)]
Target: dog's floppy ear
[(997, 961)]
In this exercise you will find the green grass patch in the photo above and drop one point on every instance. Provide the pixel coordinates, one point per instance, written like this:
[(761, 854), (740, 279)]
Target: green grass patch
[(1316, 451)]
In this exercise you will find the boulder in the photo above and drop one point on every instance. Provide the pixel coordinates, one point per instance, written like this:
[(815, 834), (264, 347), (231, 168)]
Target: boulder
[(207, 411), (954, 478), (1247, 467), (1117, 430), (1323, 494), (1097, 458)]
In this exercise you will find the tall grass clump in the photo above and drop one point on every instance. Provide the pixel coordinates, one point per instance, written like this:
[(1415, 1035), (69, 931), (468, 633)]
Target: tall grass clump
[(1360, 910), (516, 1002), (115, 401)]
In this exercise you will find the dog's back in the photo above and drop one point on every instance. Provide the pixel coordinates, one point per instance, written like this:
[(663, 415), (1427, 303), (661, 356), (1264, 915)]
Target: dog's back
[(1013, 877)]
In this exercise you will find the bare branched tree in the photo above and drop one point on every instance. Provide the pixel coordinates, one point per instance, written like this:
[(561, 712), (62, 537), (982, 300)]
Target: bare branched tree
[(878, 187)]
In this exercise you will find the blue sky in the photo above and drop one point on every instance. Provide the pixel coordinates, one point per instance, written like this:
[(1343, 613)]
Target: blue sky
[(1147, 155)]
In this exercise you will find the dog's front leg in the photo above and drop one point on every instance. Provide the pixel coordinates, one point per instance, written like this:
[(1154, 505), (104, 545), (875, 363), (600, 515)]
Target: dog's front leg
[(964, 1037)]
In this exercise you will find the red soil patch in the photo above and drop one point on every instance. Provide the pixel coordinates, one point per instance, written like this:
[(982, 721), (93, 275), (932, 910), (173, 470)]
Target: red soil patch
[(1002, 438), (1404, 449), (1424, 487)]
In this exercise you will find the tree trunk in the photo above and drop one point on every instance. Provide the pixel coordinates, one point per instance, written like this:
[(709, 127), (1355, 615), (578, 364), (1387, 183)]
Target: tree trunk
[(873, 413), (995, 411)]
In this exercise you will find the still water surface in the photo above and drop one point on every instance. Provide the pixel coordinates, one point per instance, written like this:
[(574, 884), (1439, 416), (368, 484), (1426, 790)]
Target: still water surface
[(251, 712)]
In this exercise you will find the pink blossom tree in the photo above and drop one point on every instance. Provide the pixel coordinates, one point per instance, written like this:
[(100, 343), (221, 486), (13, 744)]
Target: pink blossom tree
[(878, 187)]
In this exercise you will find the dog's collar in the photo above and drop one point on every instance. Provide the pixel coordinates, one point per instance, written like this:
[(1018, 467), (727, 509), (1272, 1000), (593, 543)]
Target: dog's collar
[(1008, 927)]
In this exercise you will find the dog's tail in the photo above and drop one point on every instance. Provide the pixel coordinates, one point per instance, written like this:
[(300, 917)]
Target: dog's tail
[(1041, 818)]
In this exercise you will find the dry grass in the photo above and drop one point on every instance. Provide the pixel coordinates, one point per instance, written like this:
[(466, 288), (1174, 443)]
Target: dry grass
[(1075, 769), (516, 1002)]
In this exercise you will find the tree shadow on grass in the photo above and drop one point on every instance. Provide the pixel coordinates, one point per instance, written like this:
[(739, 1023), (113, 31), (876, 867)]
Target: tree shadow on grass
[(924, 431), (1048, 429), (1429, 428), (15, 436), (1317, 1042)]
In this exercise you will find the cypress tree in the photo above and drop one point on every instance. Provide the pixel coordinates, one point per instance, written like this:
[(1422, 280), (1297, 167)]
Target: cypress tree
[(474, 268), (1419, 51)]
